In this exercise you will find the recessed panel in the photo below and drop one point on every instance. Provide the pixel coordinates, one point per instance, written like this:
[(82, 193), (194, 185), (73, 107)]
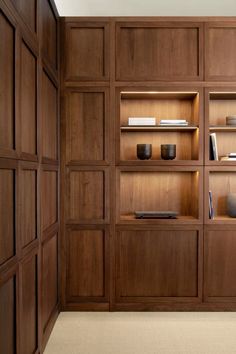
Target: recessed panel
[(29, 306), (86, 126), (158, 263), (28, 221), (86, 195), (8, 317), (85, 57), (220, 263), (7, 217), (49, 276), (28, 100), (149, 53), (49, 118), (85, 263), (49, 198), (49, 33), (7, 105), (221, 52)]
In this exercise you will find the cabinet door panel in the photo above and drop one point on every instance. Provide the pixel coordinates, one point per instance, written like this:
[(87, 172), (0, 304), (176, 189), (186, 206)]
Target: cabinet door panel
[(7, 214), (86, 264), (7, 104), (29, 306), (157, 264), (49, 33), (28, 100), (49, 279), (8, 317), (221, 52), (220, 264), (86, 195), (28, 220), (87, 51), (49, 199), (152, 52), (86, 126), (27, 10)]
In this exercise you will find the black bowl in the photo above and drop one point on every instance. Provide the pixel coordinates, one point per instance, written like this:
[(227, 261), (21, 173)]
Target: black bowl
[(144, 151), (168, 151)]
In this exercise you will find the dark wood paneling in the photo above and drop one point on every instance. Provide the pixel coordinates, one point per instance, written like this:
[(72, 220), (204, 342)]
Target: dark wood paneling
[(220, 51), (7, 214), (28, 206), (7, 104), (28, 326), (48, 198), (28, 100), (8, 317), (49, 118), (49, 33), (86, 125), (87, 51), (157, 264), (86, 195), (158, 51), (220, 264), (85, 264), (27, 10), (49, 279)]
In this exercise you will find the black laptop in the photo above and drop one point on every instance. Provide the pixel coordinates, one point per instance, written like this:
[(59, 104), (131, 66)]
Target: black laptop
[(156, 214)]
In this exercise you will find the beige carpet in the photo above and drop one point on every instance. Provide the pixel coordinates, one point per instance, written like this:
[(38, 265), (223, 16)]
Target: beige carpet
[(143, 333)]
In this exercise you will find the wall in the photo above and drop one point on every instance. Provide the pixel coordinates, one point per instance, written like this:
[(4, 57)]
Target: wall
[(146, 8), (29, 162)]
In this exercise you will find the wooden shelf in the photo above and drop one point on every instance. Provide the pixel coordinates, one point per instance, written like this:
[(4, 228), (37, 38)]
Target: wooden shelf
[(221, 219), (159, 162), (158, 95), (222, 128), (158, 128)]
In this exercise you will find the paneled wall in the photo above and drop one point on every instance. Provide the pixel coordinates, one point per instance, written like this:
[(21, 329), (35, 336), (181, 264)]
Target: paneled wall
[(108, 258), (29, 166)]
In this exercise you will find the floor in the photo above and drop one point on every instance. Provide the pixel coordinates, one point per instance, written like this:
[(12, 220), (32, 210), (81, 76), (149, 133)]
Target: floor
[(143, 333)]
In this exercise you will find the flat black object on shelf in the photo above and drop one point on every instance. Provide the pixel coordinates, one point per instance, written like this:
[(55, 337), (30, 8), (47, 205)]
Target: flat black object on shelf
[(156, 214)]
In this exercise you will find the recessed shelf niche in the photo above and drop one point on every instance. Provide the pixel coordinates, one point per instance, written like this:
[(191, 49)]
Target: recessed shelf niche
[(161, 105), (159, 190)]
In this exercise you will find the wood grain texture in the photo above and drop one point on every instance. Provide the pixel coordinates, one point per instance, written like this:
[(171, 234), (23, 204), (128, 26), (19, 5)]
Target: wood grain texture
[(86, 53), (49, 118), (28, 100), (49, 200), (86, 126), (86, 264), (157, 264), (49, 279), (157, 52), (27, 10), (28, 210), (220, 52), (158, 191), (86, 195), (7, 104), (7, 214), (220, 264), (49, 34), (8, 317), (29, 306)]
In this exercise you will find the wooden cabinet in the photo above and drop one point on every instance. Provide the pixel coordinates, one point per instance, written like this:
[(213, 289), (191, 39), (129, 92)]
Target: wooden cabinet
[(220, 51), (154, 264), (220, 264), (158, 51)]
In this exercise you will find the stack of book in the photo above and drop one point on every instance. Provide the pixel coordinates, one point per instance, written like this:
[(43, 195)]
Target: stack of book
[(142, 121), (211, 210), (181, 122), (230, 157)]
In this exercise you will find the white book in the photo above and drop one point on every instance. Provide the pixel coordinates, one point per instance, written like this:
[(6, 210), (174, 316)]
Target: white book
[(214, 146), (172, 121), (141, 121)]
